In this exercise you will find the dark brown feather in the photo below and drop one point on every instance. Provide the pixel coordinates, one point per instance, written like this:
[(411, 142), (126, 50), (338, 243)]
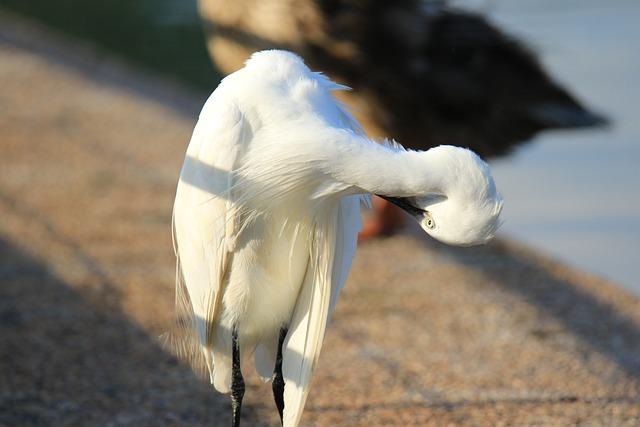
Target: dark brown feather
[(422, 73)]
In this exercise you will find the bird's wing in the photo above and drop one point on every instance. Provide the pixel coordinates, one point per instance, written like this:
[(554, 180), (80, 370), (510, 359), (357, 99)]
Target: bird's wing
[(333, 248), (349, 225), (204, 223)]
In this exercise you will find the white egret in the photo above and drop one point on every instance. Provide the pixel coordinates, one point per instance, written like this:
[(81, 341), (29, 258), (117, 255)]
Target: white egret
[(266, 218)]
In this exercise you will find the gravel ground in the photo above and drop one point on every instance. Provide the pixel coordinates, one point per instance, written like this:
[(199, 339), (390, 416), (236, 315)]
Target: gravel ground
[(423, 334)]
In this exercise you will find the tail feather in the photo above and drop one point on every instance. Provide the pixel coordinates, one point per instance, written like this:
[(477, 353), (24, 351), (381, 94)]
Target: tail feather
[(302, 346)]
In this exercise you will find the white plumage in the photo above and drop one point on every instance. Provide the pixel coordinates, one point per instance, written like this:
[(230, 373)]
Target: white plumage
[(266, 214)]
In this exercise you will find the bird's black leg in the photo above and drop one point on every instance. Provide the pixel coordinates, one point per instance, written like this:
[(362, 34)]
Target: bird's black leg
[(237, 382), (277, 382)]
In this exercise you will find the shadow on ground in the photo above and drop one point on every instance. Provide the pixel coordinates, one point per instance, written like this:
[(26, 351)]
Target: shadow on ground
[(66, 361)]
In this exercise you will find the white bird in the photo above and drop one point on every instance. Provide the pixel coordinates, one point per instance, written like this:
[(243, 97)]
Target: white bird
[(266, 218)]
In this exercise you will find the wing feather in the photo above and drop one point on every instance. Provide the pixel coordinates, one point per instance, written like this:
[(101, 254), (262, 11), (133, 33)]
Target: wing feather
[(333, 248), (204, 221)]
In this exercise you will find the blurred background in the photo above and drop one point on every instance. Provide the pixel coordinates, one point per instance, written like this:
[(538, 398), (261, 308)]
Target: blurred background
[(572, 194), (542, 327)]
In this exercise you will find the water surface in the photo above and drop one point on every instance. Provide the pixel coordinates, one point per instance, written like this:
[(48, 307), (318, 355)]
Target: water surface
[(575, 194)]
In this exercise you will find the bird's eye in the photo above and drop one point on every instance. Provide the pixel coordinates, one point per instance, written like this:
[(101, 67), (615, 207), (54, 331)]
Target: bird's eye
[(429, 222)]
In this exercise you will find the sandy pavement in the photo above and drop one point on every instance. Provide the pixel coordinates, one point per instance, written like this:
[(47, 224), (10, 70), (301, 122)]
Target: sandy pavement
[(423, 334)]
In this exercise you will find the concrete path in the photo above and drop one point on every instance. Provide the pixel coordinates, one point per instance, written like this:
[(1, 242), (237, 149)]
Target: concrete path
[(423, 335)]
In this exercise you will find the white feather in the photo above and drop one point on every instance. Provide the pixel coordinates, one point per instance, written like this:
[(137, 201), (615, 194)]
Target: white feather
[(267, 213), (333, 249), (204, 232)]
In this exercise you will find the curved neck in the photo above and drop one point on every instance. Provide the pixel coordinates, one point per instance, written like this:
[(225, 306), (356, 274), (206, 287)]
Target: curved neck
[(383, 169), (317, 161)]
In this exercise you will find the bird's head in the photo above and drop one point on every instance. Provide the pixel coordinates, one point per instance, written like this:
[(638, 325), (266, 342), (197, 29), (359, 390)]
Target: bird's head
[(459, 204)]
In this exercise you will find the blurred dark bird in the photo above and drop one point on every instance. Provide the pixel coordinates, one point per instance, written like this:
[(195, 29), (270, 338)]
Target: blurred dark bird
[(421, 72)]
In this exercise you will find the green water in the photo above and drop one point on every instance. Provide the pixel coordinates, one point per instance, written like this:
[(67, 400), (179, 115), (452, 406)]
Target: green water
[(160, 35)]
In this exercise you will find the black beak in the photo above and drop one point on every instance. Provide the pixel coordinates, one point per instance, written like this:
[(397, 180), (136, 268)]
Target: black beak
[(404, 203)]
